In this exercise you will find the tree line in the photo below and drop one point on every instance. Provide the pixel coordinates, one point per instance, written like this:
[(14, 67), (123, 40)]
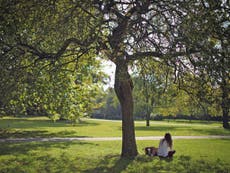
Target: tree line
[(156, 97)]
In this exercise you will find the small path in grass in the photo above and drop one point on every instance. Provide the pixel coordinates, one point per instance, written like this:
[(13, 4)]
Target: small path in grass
[(58, 139)]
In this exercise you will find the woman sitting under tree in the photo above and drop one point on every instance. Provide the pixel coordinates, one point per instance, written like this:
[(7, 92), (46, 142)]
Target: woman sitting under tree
[(164, 149)]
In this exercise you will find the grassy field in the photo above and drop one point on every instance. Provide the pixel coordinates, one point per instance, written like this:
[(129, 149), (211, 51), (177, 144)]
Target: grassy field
[(195, 156), (43, 127)]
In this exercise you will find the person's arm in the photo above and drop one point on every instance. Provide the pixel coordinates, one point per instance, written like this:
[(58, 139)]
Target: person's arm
[(160, 143)]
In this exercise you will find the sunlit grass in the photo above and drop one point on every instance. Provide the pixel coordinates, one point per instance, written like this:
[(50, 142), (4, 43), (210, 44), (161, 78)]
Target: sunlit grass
[(43, 127), (195, 156)]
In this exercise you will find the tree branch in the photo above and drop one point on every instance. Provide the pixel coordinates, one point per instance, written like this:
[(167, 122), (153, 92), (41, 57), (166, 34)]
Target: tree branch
[(139, 55), (59, 53)]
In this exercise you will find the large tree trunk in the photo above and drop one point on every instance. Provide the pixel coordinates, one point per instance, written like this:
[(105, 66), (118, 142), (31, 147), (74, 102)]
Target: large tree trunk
[(123, 88)]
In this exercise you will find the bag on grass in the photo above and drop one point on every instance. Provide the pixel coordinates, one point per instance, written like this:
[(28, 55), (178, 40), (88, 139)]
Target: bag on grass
[(150, 151)]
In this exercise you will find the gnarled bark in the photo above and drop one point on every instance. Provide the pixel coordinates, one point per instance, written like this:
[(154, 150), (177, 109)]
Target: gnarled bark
[(123, 88)]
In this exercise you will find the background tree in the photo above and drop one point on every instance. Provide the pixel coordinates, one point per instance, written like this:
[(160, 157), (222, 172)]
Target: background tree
[(207, 28), (109, 106), (24, 86), (151, 82), (156, 82), (68, 94)]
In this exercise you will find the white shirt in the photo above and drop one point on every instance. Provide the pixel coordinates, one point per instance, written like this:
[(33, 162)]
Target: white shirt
[(163, 148)]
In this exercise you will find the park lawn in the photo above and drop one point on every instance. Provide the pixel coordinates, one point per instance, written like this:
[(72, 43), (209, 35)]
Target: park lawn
[(195, 156), (43, 127)]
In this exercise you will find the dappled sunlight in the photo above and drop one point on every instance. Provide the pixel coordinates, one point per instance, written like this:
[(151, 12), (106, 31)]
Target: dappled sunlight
[(111, 164), (96, 157), (9, 133), (39, 122), (36, 147)]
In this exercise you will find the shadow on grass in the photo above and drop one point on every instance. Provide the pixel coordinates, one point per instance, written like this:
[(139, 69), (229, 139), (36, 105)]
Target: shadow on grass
[(198, 130), (216, 131), (143, 164), (122, 164), (159, 128), (119, 165), (27, 147), (33, 123), (11, 133), (205, 122), (109, 164)]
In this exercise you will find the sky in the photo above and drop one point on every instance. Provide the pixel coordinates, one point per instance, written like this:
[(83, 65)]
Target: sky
[(109, 68)]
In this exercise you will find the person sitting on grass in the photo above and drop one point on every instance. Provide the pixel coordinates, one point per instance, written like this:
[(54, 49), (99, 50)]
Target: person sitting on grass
[(164, 149), (165, 146)]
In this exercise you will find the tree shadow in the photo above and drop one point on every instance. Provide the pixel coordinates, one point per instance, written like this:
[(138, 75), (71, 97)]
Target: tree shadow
[(156, 128), (64, 162), (122, 163), (217, 131), (11, 133), (16, 128), (201, 122), (27, 147), (34, 123), (119, 165), (203, 131), (163, 164)]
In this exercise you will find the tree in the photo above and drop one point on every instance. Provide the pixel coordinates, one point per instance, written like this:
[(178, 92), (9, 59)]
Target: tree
[(207, 28), (137, 30), (109, 106), (151, 82), (120, 30), (72, 82), (58, 91), (156, 92)]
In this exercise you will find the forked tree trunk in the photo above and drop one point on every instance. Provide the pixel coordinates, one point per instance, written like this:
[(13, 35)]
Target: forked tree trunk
[(123, 88)]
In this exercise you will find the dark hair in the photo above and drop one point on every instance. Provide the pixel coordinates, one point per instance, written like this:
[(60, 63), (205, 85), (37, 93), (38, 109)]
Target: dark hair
[(168, 139)]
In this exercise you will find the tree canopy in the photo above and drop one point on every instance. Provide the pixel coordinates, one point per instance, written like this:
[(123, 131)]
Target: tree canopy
[(33, 81)]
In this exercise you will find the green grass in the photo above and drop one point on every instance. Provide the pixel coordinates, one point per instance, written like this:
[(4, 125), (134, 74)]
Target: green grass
[(43, 127), (195, 156)]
